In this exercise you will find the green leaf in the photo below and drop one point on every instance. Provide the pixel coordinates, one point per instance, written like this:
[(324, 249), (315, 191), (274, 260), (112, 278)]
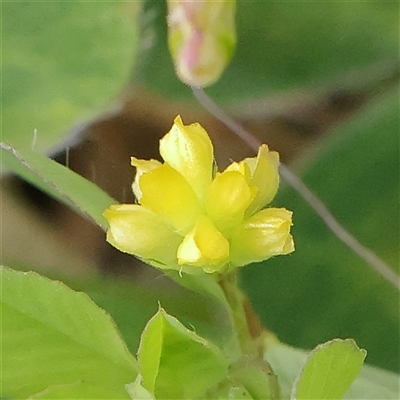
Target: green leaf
[(203, 284), (54, 336), (122, 298), (62, 61), (372, 383), (175, 362), (58, 181), (329, 370), (137, 391), (77, 390), (252, 379), (207, 286)]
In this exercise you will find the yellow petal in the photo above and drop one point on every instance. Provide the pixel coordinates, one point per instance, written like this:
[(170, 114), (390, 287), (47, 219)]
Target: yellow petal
[(167, 193), (228, 198), (241, 167), (264, 235), (142, 166), (138, 231), (265, 175), (188, 149), (204, 247)]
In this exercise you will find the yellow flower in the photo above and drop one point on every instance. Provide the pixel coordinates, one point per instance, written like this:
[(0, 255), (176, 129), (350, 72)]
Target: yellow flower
[(190, 218)]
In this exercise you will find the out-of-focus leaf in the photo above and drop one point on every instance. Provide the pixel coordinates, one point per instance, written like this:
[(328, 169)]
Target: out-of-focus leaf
[(323, 289), (176, 363), (329, 370), (62, 61), (372, 383), (204, 284), (77, 390), (122, 298), (58, 181), (284, 45), (252, 380), (53, 336)]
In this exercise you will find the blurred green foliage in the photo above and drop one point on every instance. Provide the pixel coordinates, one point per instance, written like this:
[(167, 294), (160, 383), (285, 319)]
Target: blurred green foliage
[(62, 61), (323, 290), (285, 45), (76, 352)]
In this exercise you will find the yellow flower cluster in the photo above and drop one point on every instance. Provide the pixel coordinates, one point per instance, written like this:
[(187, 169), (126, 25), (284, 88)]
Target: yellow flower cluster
[(193, 219)]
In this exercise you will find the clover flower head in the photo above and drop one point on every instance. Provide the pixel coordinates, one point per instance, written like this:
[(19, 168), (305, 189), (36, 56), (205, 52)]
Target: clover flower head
[(193, 219)]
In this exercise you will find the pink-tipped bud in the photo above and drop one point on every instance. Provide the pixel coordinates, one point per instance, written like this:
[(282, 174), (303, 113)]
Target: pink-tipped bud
[(201, 38)]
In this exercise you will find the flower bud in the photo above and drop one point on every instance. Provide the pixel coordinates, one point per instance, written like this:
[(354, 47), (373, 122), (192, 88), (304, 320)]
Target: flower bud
[(201, 38)]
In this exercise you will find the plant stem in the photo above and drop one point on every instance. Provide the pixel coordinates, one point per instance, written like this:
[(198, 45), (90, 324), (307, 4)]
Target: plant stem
[(237, 300), (251, 337)]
